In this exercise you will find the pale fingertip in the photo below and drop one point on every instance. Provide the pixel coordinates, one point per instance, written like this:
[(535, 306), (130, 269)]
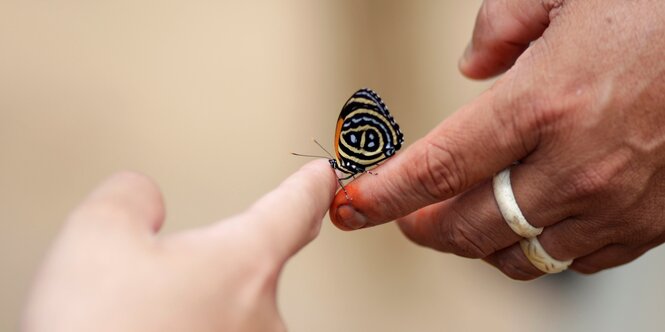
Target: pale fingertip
[(321, 170), (289, 217)]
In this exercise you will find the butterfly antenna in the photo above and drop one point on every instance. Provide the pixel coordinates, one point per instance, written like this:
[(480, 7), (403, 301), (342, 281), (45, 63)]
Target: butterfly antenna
[(322, 148), (308, 155)]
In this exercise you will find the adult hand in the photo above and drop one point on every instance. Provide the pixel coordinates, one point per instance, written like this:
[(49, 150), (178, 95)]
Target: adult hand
[(581, 106), (110, 271)]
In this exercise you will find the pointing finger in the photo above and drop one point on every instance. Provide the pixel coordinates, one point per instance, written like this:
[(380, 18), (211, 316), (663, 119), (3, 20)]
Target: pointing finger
[(468, 147), (289, 217)]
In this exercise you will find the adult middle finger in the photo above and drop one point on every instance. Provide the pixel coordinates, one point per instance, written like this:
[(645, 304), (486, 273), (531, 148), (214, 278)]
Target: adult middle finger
[(471, 224)]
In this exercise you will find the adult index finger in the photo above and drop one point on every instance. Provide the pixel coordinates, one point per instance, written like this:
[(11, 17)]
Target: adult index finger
[(468, 147)]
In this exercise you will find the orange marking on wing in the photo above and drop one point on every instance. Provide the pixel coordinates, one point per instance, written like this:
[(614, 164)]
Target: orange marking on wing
[(338, 132)]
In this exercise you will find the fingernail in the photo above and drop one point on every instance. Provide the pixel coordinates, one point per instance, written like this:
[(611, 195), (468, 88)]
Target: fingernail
[(349, 217)]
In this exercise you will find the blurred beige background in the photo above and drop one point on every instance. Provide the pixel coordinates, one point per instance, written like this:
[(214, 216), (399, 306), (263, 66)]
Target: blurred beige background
[(209, 98)]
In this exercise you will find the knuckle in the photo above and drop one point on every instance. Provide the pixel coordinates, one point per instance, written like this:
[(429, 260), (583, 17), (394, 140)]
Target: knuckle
[(548, 111), (540, 110), (552, 6), (441, 177), (466, 241), (643, 231), (589, 182), (581, 233), (612, 178), (543, 111), (534, 114)]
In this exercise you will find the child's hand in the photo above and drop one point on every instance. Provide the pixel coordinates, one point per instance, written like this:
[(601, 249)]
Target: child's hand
[(110, 271)]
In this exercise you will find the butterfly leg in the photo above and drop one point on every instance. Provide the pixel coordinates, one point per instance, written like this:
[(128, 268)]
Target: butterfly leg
[(373, 173), (344, 189), (348, 177), (339, 180)]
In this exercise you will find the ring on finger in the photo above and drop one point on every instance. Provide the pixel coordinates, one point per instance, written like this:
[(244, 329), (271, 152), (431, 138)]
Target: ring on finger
[(537, 255), (533, 250), (505, 198)]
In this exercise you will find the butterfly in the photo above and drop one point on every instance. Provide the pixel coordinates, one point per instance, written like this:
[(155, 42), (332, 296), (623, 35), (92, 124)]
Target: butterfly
[(366, 134)]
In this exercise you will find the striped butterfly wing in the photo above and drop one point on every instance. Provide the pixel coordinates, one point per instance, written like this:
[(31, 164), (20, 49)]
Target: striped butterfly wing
[(366, 133)]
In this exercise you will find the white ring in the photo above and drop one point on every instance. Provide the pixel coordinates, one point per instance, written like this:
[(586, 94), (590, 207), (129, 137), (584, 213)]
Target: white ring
[(537, 255), (505, 198)]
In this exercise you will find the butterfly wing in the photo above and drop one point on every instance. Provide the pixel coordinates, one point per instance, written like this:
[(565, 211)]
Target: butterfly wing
[(366, 133)]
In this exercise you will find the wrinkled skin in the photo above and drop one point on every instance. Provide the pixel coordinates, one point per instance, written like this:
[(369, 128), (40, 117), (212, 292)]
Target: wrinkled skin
[(110, 271), (583, 110)]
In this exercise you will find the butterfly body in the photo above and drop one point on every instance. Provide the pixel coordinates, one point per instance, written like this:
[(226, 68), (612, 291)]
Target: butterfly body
[(365, 135)]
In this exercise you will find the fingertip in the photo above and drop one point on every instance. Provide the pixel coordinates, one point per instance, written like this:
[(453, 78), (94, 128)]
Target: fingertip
[(463, 64), (347, 218), (377, 199), (503, 31), (345, 211), (332, 212), (320, 173), (478, 66), (310, 189), (466, 64), (289, 217)]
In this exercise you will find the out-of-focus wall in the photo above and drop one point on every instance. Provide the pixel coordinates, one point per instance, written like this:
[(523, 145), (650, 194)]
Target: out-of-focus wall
[(209, 98)]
